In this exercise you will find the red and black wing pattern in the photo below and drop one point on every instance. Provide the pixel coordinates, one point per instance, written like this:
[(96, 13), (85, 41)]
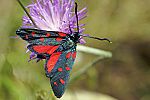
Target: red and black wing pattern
[(42, 49), (57, 51), (58, 67), (42, 42), (41, 37)]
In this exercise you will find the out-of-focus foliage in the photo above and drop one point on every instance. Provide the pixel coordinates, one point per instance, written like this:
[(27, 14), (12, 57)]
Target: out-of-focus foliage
[(126, 76)]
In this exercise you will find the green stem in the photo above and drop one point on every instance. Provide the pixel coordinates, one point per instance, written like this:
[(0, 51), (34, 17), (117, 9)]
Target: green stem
[(98, 52), (101, 53), (84, 69)]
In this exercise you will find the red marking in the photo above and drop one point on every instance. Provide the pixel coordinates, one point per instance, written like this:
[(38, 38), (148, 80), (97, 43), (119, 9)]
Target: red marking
[(62, 81), (68, 55), (62, 34), (42, 39), (55, 83), (74, 55), (33, 33), (58, 39), (67, 68), (60, 69), (52, 49), (44, 49), (48, 34), (53, 60), (27, 37)]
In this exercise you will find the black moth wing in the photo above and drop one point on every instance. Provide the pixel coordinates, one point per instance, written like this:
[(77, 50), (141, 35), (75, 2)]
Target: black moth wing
[(40, 37), (61, 44), (60, 74)]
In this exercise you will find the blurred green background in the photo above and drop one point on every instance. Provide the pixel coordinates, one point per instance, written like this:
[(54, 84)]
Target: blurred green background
[(126, 76)]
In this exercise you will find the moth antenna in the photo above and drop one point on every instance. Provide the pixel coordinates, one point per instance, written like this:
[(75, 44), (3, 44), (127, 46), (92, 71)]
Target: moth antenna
[(70, 28), (27, 13), (76, 13), (102, 39)]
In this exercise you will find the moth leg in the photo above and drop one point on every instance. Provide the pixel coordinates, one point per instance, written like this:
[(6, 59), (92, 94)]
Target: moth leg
[(38, 57)]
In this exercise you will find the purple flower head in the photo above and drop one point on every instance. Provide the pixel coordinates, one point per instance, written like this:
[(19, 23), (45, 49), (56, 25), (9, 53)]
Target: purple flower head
[(54, 15)]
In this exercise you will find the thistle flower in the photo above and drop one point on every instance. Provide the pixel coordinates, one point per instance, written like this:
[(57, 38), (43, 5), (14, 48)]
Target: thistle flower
[(54, 15)]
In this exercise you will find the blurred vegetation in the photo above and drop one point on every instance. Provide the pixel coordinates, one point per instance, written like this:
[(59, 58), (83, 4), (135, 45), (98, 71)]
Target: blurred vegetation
[(126, 76)]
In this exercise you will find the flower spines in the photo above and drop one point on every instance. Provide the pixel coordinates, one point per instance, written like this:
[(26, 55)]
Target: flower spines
[(55, 15)]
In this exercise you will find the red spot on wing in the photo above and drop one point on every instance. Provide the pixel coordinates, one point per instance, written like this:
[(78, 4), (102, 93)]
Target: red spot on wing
[(42, 39), (68, 55), (67, 68), (48, 34), (58, 39), (44, 49), (33, 33), (62, 81), (62, 34), (52, 49), (60, 69), (74, 55), (52, 61), (55, 83)]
